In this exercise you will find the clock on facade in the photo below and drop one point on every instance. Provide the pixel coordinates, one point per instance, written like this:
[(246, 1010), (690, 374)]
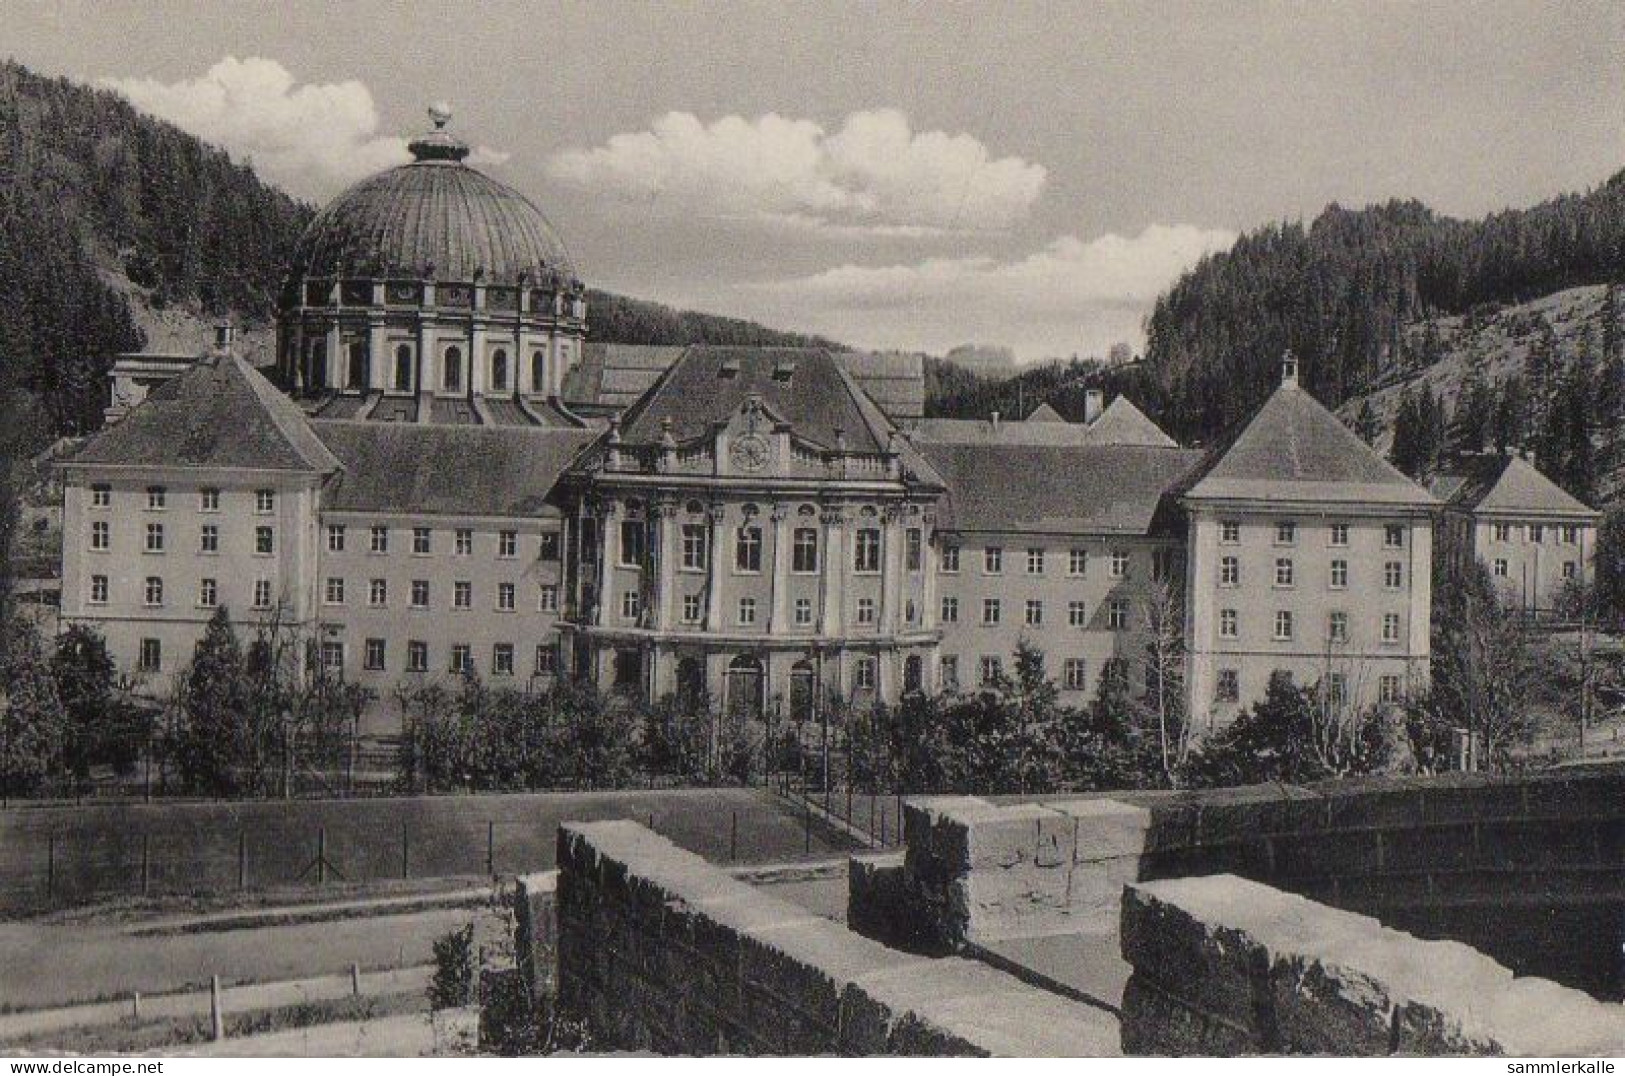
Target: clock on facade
[(750, 452)]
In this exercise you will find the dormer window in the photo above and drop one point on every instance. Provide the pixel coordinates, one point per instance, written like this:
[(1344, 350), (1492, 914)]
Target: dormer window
[(538, 371), (728, 370), (783, 372)]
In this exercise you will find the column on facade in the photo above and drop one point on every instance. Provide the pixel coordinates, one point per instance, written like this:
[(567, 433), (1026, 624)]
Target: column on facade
[(477, 382), (427, 367), (928, 565), (780, 584), (833, 596), (609, 540), (891, 567), (334, 358), (666, 554), (713, 588)]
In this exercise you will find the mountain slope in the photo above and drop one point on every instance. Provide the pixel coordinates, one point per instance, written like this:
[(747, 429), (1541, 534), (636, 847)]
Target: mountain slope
[(120, 232), (1344, 292)]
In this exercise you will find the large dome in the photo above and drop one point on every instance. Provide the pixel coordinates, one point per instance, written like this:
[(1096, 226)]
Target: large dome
[(434, 219)]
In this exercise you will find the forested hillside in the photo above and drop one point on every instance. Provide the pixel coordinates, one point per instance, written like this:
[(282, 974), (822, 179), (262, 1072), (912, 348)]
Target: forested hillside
[(99, 202), (1345, 292), (617, 319), (116, 227)]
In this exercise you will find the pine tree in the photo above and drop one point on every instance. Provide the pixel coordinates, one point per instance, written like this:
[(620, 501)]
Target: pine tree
[(210, 745), (33, 729)]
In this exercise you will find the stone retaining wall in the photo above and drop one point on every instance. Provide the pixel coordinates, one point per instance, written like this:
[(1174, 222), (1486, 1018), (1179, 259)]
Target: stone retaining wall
[(1531, 869), (1223, 965), (659, 950)]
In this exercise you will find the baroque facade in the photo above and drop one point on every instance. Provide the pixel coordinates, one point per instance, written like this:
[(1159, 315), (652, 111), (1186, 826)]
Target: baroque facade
[(442, 475)]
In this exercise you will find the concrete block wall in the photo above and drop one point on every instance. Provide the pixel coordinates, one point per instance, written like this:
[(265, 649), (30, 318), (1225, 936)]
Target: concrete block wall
[(1529, 868), (1223, 965), (976, 872), (536, 932), (660, 950)]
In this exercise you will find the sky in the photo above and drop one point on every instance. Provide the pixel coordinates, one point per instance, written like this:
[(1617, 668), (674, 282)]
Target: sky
[(895, 175)]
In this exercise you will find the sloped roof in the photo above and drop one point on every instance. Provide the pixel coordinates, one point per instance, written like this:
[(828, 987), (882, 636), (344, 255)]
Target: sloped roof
[(1051, 489), (1491, 482), (1124, 424), (1293, 448), (614, 376), (1120, 424), (818, 398), (1045, 413), (894, 381), (447, 469), (219, 412)]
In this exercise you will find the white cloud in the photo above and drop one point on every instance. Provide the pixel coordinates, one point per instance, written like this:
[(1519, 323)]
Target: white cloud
[(312, 139), (874, 174), (1070, 296)]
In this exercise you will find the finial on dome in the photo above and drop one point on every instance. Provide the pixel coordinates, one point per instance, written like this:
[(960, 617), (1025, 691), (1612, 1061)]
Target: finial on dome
[(1289, 368), (438, 145)]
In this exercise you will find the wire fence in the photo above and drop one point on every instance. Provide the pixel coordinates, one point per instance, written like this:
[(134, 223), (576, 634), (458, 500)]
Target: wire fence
[(70, 855)]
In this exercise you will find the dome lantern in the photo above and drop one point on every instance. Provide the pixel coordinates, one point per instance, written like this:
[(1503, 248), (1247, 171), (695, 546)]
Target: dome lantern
[(438, 145)]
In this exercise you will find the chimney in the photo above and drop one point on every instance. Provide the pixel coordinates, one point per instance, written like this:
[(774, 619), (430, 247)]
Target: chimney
[(995, 421), (1094, 402), (1289, 368)]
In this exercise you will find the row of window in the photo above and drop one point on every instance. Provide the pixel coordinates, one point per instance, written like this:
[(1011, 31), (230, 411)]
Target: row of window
[(1502, 570), (1117, 612), (357, 371), (1390, 687), (748, 546), (375, 657), (101, 496), (1567, 534), (747, 610), (990, 670), (462, 539), (1077, 562), (1337, 626), (1337, 534), (155, 539), (1286, 573), (334, 593)]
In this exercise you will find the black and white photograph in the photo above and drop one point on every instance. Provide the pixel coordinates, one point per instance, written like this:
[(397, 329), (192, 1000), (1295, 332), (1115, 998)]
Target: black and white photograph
[(740, 528)]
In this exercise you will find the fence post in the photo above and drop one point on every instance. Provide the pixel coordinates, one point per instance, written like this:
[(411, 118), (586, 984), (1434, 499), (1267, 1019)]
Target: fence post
[(733, 840), (491, 848), (404, 860), (806, 823), (321, 855), (355, 980), (50, 867), (135, 1005), (217, 1018), (242, 859), (146, 876)]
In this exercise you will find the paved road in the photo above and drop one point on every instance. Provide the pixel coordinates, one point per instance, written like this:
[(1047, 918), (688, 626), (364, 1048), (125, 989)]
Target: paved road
[(232, 1000), (50, 964)]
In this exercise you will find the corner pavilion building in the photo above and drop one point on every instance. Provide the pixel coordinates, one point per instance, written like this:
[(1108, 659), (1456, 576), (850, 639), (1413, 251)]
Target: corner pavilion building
[(442, 474)]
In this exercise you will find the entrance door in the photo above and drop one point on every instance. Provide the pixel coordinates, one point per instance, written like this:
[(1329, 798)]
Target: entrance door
[(801, 691), (745, 683)]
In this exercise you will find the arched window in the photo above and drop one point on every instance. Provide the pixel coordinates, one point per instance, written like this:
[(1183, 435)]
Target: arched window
[(538, 371), (499, 370), (451, 377), (359, 373), (403, 367)]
